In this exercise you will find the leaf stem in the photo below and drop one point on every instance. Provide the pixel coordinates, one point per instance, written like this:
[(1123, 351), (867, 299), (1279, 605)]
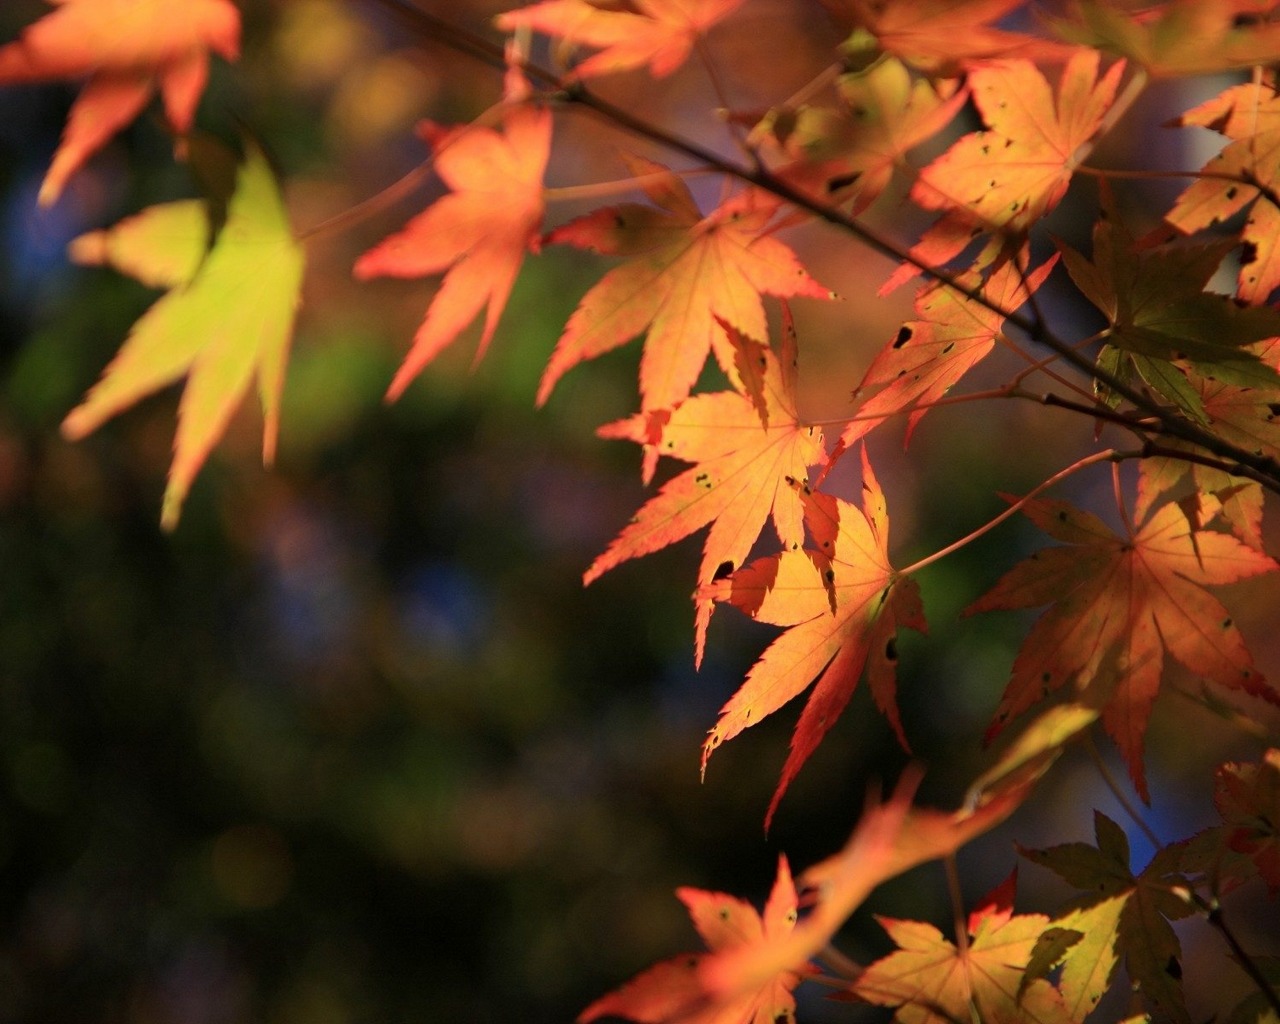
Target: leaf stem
[(1109, 455), (608, 189), (957, 906), (1121, 797)]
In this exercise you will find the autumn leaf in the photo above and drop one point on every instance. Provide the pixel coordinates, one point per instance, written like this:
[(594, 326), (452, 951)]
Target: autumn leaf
[(227, 317), (1163, 322), (126, 49), (1119, 915), (748, 459), (952, 334), (934, 982), (890, 838), (656, 33), (937, 36), (848, 153), (1007, 177), (1247, 843), (477, 234), (1117, 603), (687, 273), (842, 604), (675, 991), (1181, 38), (1244, 174)]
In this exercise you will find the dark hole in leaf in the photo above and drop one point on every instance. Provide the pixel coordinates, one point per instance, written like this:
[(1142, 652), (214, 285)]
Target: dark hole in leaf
[(1248, 253), (722, 570), (904, 336)]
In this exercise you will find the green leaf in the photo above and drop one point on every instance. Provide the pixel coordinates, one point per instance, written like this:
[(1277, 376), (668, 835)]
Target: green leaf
[(226, 319)]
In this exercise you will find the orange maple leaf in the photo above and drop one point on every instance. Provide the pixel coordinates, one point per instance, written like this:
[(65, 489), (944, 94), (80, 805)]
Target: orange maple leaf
[(688, 272), (938, 36), (674, 991), (1248, 115), (929, 355), (1117, 604), (1007, 177), (842, 603), (750, 450), (477, 234), (850, 151), (657, 33), (934, 982), (126, 49), (890, 838)]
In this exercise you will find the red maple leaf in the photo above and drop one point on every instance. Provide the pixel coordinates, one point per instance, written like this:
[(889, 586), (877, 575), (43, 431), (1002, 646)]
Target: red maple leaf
[(126, 49), (687, 272), (477, 234), (842, 603), (1117, 603), (749, 450), (657, 33)]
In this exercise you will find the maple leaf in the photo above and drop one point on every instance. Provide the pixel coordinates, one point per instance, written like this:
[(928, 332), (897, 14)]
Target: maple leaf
[(937, 36), (657, 33), (749, 449), (1243, 175), (126, 49), (688, 273), (1247, 843), (1182, 38), (477, 234), (1119, 915), (675, 992), (1007, 177), (934, 982), (930, 354), (890, 838), (842, 603), (1117, 604), (1162, 319), (227, 318), (849, 152)]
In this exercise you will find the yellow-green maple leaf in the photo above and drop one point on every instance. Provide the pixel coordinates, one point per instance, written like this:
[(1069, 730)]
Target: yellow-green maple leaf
[(228, 317)]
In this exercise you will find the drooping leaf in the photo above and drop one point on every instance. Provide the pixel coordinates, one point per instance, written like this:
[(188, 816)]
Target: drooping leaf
[(930, 354), (675, 991), (1117, 603), (748, 458), (686, 273), (658, 34), (1120, 915), (933, 982), (842, 604), (227, 318), (1245, 174), (1007, 177), (126, 49), (477, 234), (1183, 37)]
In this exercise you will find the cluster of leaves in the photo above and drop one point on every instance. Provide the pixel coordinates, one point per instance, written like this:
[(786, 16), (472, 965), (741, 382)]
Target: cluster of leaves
[(1190, 376)]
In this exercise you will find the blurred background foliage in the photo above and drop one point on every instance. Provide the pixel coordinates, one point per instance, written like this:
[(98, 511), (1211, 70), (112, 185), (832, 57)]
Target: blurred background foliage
[(354, 744)]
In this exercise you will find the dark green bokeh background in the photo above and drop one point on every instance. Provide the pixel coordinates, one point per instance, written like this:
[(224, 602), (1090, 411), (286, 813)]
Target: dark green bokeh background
[(354, 744)]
